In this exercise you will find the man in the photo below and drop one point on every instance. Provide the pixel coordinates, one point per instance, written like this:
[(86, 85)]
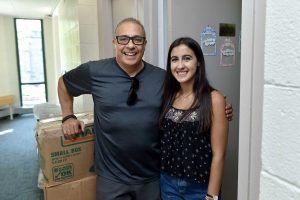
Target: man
[(127, 95)]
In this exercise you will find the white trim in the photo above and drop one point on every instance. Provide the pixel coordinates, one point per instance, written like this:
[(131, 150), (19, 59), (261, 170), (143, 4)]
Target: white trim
[(105, 28), (162, 33), (251, 98), (170, 22)]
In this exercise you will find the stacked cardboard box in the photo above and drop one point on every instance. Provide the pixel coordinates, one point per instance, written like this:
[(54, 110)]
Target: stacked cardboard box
[(67, 164), (82, 189)]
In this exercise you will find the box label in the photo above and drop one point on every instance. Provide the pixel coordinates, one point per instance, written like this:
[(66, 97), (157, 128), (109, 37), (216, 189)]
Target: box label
[(86, 136), (63, 172)]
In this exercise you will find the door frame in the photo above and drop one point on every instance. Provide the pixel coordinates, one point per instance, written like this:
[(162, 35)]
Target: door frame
[(251, 98)]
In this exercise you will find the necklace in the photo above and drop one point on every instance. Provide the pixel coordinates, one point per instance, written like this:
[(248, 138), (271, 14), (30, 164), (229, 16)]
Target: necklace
[(184, 97)]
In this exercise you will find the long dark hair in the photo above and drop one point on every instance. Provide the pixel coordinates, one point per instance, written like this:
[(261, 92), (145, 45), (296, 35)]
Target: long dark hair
[(202, 89)]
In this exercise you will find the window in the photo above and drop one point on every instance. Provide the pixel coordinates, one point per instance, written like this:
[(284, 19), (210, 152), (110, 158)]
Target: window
[(31, 62)]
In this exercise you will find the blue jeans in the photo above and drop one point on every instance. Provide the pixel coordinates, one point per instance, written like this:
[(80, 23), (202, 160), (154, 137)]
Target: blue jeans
[(173, 188)]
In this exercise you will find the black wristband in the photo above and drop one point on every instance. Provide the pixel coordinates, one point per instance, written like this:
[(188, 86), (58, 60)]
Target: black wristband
[(68, 117)]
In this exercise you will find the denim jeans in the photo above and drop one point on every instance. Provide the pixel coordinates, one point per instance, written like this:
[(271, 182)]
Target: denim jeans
[(173, 188)]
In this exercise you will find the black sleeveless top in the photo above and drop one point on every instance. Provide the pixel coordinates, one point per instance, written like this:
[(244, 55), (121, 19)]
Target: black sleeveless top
[(185, 153)]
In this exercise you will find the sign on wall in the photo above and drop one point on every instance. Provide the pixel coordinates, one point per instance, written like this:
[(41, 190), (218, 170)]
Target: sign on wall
[(227, 51), (208, 41), (227, 44)]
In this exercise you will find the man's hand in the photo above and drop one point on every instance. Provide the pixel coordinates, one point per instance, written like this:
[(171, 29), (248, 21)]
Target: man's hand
[(71, 127), (228, 110)]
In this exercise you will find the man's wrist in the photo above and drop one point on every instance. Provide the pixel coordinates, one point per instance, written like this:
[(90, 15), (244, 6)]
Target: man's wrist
[(68, 117)]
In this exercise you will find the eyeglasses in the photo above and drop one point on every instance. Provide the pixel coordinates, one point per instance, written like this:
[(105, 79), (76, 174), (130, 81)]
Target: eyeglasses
[(124, 39), (132, 96)]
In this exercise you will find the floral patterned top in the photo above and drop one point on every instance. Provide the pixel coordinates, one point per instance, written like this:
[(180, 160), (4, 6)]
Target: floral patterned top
[(185, 153)]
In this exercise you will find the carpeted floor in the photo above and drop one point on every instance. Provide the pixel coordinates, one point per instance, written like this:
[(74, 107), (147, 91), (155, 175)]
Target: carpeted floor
[(19, 164)]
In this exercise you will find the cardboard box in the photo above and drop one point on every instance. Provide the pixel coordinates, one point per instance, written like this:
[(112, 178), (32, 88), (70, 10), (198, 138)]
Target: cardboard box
[(83, 189), (63, 159)]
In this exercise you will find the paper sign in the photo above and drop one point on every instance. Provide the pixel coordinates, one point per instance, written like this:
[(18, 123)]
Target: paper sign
[(208, 41), (227, 51)]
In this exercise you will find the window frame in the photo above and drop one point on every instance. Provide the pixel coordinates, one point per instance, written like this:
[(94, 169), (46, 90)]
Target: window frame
[(20, 84)]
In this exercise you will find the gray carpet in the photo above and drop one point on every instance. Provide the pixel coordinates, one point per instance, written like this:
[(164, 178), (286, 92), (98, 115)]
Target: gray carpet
[(18, 159)]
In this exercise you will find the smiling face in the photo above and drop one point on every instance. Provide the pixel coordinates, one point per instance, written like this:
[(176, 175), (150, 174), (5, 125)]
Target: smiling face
[(129, 55), (183, 64)]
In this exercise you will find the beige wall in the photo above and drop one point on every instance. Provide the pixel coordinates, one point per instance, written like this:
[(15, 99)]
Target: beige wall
[(68, 46), (77, 33), (122, 9), (51, 68), (89, 39), (68, 30), (8, 62)]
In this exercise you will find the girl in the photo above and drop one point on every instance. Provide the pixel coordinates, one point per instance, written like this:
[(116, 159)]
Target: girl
[(194, 127)]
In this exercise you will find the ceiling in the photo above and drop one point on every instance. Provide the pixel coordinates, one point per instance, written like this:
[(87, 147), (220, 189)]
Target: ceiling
[(27, 8)]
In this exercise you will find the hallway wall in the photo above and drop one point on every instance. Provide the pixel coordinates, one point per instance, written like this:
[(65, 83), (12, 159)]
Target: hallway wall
[(8, 62), (76, 25)]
